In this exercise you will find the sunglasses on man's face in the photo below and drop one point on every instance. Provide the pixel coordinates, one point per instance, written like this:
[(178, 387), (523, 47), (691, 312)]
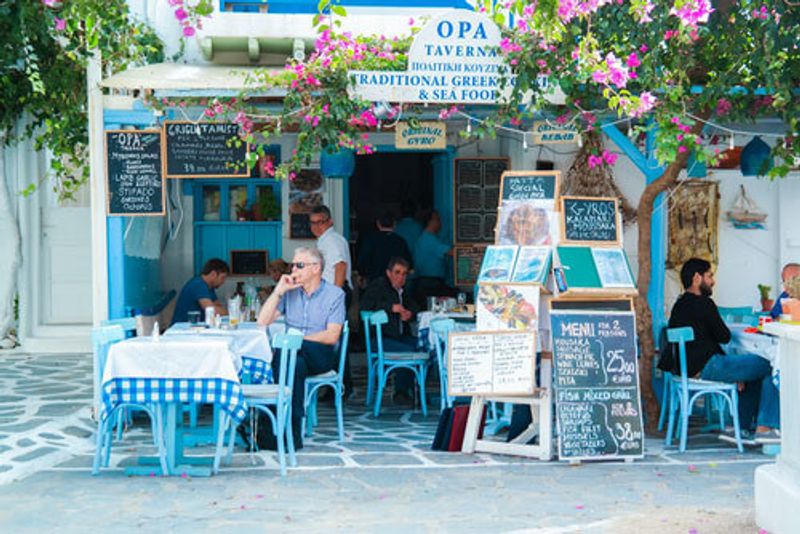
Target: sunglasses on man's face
[(302, 264)]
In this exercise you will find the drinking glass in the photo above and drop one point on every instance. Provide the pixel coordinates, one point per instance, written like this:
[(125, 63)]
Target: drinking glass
[(194, 317)]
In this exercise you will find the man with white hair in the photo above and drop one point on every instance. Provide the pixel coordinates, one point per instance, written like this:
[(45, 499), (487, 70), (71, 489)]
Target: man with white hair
[(316, 308), (789, 271)]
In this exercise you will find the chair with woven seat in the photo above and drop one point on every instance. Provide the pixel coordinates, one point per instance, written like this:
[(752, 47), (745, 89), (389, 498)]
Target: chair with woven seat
[(684, 391), (441, 331), (102, 339), (332, 379), (261, 397), (386, 362)]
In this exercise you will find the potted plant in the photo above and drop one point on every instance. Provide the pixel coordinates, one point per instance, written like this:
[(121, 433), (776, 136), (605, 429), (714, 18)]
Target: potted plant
[(766, 302), (267, 208)]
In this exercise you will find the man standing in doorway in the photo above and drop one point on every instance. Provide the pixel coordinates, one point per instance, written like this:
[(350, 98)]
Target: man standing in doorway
[(430, 254), (199, 292), (378, 247), (338, 267)]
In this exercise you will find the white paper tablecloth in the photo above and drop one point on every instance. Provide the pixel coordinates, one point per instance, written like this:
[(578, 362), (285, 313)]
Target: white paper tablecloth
[(248, 339), (759, 344), (185, 356), (424, 324)]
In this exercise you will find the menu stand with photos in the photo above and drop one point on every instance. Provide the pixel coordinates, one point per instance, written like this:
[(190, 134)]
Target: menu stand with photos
[(513, 284)]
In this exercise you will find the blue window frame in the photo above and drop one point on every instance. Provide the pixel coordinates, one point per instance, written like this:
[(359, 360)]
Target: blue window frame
[(310, 6)]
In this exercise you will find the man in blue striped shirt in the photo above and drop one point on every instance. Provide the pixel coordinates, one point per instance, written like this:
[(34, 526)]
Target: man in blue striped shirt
[(316, 308)]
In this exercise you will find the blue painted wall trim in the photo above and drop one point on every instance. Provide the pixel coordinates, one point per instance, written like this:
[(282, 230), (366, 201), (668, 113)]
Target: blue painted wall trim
[(648, 165)]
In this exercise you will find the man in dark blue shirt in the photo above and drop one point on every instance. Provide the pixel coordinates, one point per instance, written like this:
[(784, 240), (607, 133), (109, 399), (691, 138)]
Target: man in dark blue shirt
[(198, 293), (789, 271), (378, 247)]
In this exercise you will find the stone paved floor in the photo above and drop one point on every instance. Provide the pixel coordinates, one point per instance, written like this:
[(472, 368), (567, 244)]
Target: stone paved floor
[(46, 446)]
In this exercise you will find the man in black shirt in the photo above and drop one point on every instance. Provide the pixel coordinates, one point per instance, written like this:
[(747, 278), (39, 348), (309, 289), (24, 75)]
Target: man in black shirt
[(758, 397), (388, 293), (380, 246)]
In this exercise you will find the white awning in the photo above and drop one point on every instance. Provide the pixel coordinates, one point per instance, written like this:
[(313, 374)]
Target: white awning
[(177, 77)]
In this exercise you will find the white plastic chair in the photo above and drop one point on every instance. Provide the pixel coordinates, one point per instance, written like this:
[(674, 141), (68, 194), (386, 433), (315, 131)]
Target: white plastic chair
[(441, 330)]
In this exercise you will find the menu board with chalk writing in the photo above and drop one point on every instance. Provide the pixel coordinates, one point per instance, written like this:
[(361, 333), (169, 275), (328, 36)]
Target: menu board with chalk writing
[(476, 194), (491, 363), (133, 170), (596, 382), (587, 220), (205, 150)]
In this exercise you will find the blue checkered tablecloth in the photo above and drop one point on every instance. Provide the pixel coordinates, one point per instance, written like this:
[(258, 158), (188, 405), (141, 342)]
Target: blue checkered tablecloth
[(227, 393), (259, 371)]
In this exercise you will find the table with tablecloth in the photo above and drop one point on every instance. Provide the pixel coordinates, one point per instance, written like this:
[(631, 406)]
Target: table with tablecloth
[(248, 340), (748, 340), (167, 371), (425, 336)]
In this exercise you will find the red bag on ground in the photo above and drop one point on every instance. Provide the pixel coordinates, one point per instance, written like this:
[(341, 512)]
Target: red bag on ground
[(459, 425)]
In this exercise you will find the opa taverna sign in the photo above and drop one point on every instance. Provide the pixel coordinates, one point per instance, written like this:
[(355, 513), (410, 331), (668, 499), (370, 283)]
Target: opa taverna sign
[(454, 59), (427, 135)]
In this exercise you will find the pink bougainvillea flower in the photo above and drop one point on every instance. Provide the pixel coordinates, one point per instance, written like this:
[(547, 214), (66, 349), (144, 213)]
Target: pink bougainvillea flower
[(411, 21), (181, 14), (617, 73), (188, 31), (60, 24), (51, 3), (681, 149), (646, 102), (633, 61), (594, 161), (723, 106), (692, 12), (609, 157)]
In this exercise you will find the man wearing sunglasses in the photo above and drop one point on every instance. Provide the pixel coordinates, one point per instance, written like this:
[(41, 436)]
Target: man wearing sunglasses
[(316, 308)]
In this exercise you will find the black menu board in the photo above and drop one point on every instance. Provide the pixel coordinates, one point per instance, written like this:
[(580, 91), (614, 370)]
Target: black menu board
[(300, 226), (205, 150), (596, 382), (249, 261), (133, 171), (588, 220), (476, 192)]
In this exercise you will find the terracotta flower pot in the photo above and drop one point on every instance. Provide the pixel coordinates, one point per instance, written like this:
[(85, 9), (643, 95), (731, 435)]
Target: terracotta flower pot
[(767, 304)]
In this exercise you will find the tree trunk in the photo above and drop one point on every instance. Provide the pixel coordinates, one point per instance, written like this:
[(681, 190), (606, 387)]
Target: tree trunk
[(644, 315), (10, 255)]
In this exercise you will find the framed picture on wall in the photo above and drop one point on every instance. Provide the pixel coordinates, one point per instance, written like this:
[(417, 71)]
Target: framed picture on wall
[(306, 192)]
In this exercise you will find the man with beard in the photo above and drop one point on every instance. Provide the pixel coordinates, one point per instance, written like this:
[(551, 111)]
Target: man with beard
[(705, 359)]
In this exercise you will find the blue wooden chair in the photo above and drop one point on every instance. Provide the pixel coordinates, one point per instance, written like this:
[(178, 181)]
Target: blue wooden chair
[(738, 314), (441, 330), (128, 325), (386, 362), (102, 339), (684, 391), (261, 396), (332, 379), (372, 356)]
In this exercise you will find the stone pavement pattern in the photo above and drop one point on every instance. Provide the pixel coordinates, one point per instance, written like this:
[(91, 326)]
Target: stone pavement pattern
[(384, 477)]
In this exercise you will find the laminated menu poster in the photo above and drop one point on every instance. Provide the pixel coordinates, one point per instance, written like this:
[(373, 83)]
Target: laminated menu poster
[(532, 265), (507, 307), (491, 363), (612, 267), (596, 382), (526, 215), (498, 263)]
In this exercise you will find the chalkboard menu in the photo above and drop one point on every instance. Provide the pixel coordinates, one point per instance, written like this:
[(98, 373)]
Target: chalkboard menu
[(529, 185), (589, 220), (596, 381), (203, 150), (300, 226), (491, 363), (133, 170), (476, 194), (249, 261), (467, 262)]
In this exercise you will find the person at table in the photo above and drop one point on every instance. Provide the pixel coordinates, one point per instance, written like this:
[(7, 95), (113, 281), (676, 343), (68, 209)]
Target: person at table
[(430, 255), (338, 267), (388, 293), (380, 246), (316, 308), (408, 227), (789, 271), (199, 293), (758, 398)]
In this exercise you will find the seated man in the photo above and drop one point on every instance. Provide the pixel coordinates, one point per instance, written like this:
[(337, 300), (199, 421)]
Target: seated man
[(198, 293), (314, 307), (758, 397), (387, 293), (789, 271)]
